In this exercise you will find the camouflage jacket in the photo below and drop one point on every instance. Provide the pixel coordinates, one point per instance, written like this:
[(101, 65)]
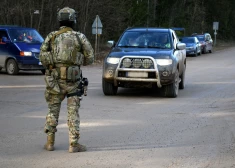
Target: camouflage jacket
[(83, 48)]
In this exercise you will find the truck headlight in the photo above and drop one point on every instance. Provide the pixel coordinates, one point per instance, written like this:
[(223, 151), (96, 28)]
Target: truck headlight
[(147, 63), (164, 61), (113, 60), (126, 62), (137, 63)]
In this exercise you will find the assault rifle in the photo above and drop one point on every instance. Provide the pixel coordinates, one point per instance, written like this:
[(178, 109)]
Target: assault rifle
[(82, 89)]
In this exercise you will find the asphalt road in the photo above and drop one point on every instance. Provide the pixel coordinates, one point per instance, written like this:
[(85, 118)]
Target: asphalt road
[(135, 129)]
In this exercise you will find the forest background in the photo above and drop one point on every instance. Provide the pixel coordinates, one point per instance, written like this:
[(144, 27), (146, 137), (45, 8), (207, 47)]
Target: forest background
[(117, 15)]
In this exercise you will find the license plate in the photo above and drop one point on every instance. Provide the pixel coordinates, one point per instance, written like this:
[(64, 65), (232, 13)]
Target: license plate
[(137, 74), (39, 63)]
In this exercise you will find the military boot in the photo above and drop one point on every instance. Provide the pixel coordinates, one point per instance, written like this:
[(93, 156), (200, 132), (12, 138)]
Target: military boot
[(77, 148), (50, 143)]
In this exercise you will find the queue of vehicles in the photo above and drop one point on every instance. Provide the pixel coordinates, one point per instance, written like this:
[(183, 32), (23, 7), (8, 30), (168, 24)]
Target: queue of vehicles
[(144, 64), (205, 41), (157, 58), (198, 44)]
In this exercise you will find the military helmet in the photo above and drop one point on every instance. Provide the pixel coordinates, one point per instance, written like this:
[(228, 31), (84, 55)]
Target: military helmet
[(66, 14)]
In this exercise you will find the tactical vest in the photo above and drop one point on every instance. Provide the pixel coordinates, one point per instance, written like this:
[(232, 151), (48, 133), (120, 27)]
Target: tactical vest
[(66, 46)]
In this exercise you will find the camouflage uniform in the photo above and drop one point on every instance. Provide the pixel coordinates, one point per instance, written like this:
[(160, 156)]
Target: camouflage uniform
[(54, 97)]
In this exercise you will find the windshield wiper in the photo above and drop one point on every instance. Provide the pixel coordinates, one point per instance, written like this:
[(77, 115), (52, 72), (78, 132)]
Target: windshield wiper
[(126, 46)]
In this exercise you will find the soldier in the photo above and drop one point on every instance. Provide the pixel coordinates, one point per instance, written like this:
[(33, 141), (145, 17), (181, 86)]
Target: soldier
[(61, 54)]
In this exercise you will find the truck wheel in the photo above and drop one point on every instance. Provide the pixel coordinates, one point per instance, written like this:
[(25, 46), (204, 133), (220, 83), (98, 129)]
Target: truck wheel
[(109, 88), (12, 67), (172, 89), (182, 77)]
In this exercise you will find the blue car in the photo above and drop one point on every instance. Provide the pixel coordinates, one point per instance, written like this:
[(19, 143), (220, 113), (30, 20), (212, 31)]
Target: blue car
[(19, 49), (193, 46)]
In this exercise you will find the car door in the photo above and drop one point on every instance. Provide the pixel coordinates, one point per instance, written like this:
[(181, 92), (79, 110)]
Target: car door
[(198, 45), (209, 44), (210, 41), (3, 48)]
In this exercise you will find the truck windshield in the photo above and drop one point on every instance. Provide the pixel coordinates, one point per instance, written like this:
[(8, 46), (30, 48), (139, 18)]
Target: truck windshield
[(145, 39), (25, 35)]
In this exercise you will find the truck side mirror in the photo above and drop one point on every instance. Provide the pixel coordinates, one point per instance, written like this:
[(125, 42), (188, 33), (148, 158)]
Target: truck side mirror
[(110, 44)]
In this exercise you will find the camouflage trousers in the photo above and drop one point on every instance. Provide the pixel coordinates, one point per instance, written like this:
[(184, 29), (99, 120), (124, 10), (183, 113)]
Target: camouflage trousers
[(54, 101)]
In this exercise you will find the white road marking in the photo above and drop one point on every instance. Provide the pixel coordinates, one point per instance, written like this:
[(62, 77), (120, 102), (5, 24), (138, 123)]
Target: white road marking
[(34, 86)]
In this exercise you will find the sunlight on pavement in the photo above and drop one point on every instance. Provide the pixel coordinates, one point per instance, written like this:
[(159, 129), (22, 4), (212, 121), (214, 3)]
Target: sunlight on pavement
[(101, 124), (22, 86)]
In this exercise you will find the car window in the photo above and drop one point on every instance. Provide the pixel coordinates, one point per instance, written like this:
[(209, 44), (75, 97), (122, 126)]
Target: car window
[(207, 37), (201, 38), (25, 35), (3, 33), (188, 40)]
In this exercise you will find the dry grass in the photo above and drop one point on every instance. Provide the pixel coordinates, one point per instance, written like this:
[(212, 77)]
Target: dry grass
[(221, 45)]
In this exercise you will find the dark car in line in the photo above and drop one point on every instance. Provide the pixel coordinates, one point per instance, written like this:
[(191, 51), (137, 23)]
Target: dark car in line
[(206, 42), (145, 57), (193, 46), (19, 49)]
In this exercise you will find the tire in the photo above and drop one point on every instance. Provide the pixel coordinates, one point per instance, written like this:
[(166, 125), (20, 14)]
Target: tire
[(108, 88), (210, 51), (204, 50), (196, 54), (182, 77), (200, 52), (12, 67), (172, 90), (43, 71)]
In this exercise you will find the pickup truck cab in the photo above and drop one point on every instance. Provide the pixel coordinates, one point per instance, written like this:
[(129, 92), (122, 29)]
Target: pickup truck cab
[(19, 49)]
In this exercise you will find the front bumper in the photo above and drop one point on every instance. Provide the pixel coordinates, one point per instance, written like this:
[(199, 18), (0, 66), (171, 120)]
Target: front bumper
[(190, 52), (30, 67), (159, 75)]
